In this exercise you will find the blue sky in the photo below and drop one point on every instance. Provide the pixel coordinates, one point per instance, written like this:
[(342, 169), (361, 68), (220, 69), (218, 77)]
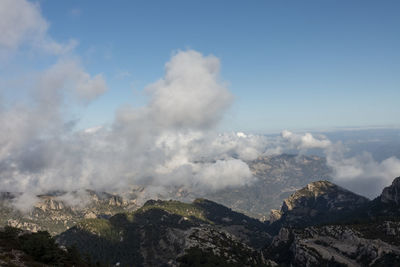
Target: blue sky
[(290, 64)]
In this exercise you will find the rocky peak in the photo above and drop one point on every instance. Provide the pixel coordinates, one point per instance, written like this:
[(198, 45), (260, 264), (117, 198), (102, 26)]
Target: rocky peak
[(313, 203), (391, 194), (322, 194)]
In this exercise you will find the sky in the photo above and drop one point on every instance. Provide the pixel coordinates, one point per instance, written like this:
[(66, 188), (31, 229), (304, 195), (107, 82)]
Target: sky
[(182, 94), (290, 65)]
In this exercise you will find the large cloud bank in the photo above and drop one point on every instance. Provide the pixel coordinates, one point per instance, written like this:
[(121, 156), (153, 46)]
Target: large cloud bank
[(170, 142), (167, 143)]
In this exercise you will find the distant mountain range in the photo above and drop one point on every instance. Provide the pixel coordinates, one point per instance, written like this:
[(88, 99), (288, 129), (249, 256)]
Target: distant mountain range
[(277, 178), (321, 224)]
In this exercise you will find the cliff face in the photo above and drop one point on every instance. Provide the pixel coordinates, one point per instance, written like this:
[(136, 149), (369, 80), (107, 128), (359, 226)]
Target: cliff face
[(388, 203), (391, 194)]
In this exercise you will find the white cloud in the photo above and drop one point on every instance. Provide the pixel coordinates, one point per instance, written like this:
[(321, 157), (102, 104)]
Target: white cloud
[(225, 173), (168, 142), (21, 22), (190, 94), (69, 75), (361, 174), (144, 146), (21, 201), (306, 141)]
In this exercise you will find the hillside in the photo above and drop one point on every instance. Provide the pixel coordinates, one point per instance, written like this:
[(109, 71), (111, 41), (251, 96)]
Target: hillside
[(172, 232), (324, 224)]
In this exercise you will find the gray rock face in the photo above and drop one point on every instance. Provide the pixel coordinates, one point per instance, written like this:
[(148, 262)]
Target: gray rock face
[(315, 246), (391, 194)]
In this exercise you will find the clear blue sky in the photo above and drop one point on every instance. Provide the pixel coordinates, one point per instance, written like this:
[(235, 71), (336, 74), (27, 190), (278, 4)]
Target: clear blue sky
[(290, 64)]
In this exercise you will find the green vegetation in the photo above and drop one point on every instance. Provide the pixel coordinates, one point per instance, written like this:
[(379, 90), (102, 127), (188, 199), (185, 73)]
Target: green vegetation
[(149, 231), (187, 210), (100, 227)]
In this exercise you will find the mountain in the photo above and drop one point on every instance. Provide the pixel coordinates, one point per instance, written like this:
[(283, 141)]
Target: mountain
[(324, 224), (321, 224), (391, 194), (388, 203), (318, 202), (278, 177), (318, 224), (168, 233), (53, 214)]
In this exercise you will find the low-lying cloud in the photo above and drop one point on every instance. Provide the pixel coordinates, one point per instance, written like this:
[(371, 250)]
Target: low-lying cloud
[(361, 174)]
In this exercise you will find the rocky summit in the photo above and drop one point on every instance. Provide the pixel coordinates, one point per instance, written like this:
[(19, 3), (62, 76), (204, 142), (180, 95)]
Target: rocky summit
[(318, 202)]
